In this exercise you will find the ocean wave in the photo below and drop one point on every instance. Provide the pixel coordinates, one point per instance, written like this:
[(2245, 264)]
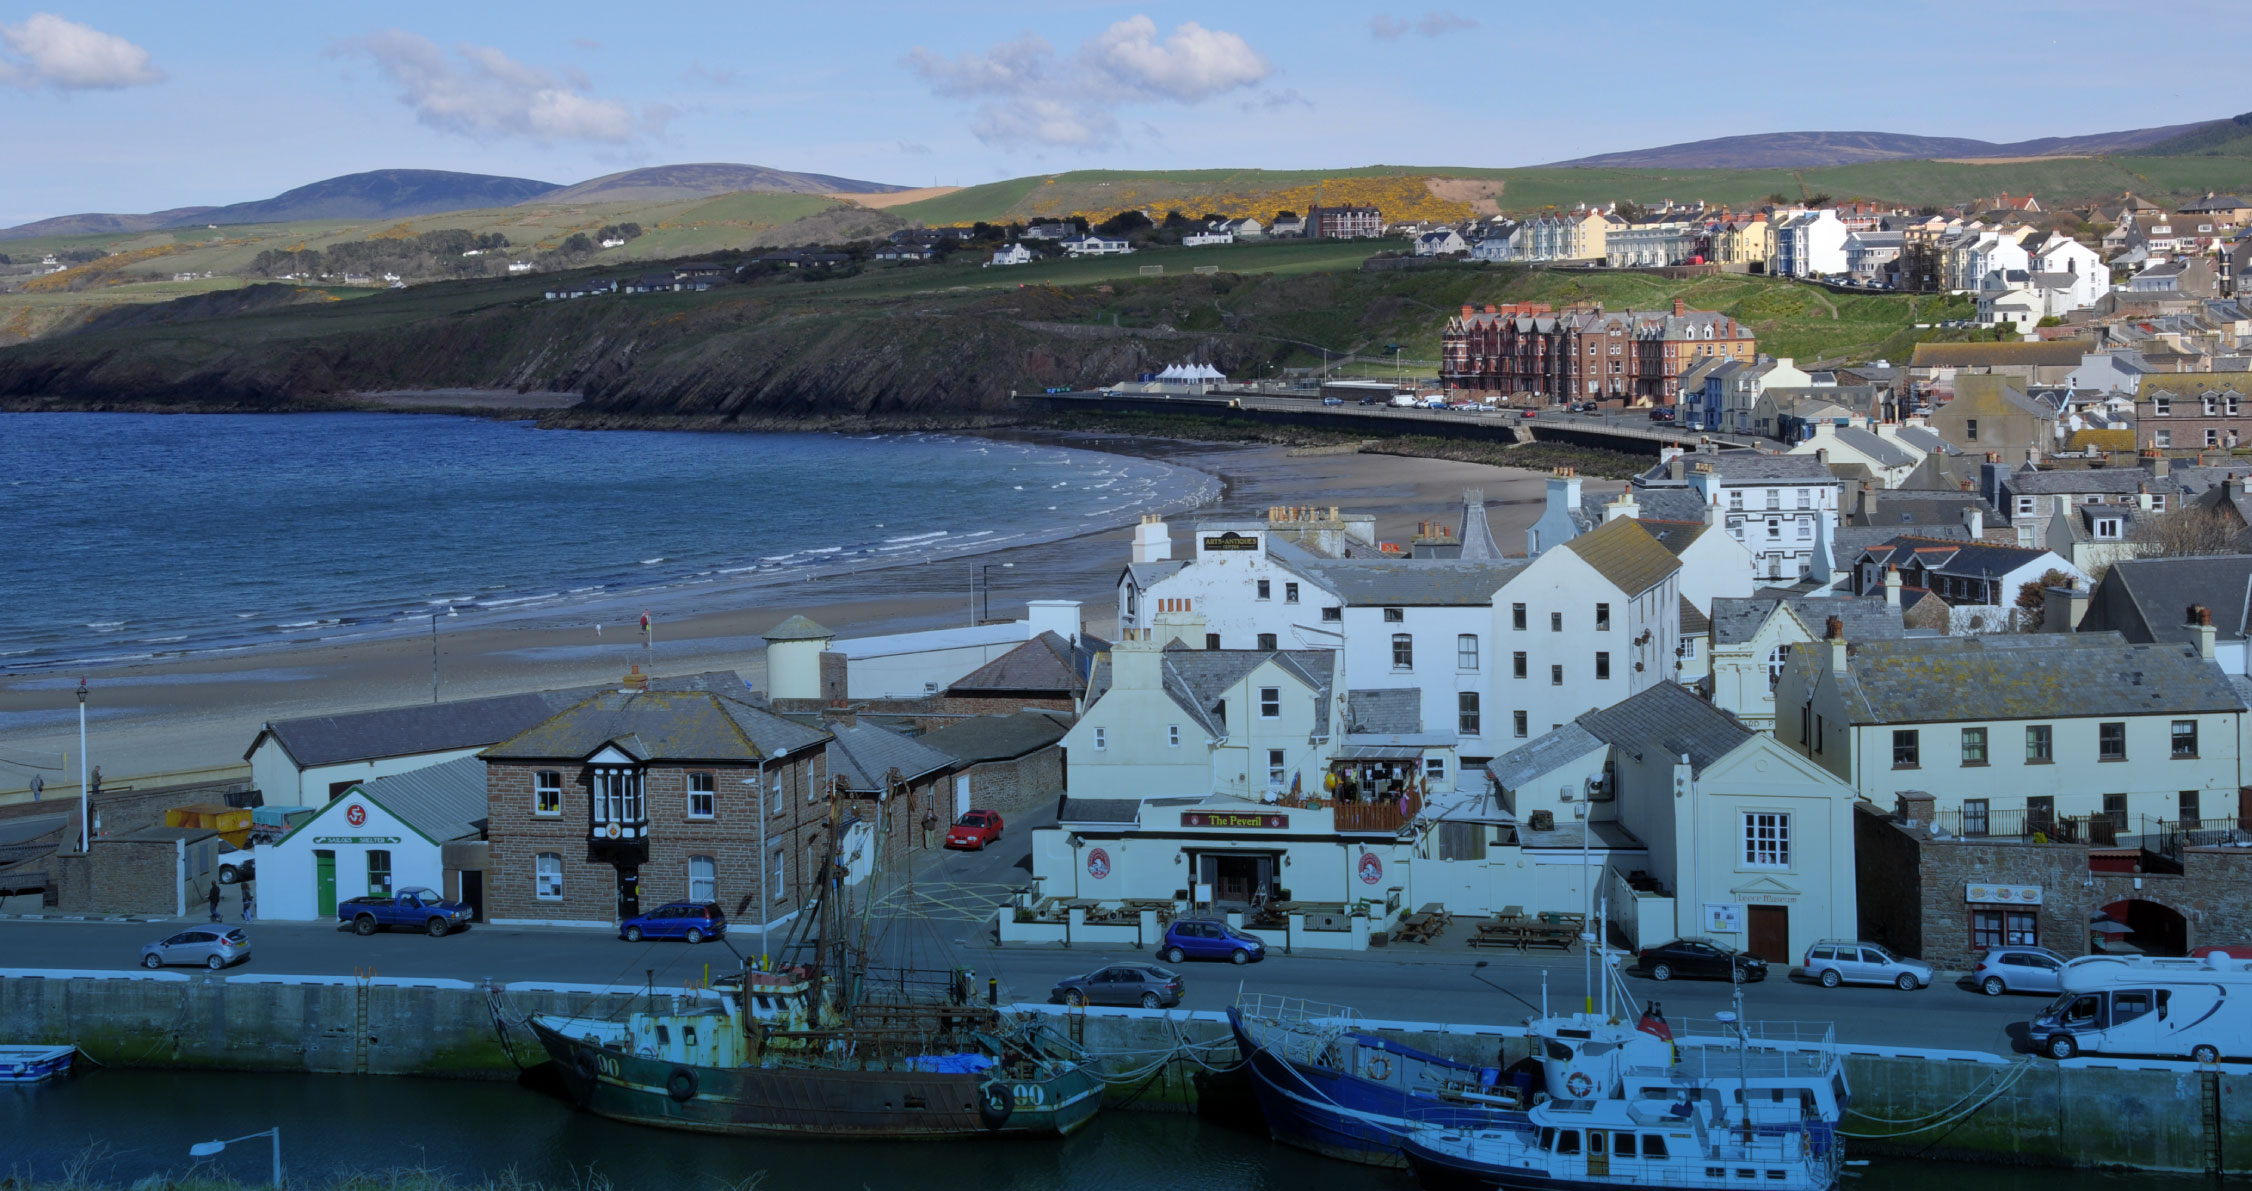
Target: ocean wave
[(510, 603), (106, 626), (918, 537), (650, 562)]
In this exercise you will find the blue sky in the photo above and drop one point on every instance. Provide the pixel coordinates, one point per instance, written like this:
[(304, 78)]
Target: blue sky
[(138, 106)]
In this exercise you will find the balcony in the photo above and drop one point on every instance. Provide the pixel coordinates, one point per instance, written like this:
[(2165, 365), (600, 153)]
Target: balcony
[(1379, 817), (2093, 831)]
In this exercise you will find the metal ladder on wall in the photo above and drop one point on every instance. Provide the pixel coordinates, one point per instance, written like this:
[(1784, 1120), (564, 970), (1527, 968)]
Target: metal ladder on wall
[(2209, 1117), (361, 977)]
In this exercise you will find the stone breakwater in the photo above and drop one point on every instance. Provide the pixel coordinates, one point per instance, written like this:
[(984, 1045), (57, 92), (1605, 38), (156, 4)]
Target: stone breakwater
[(2156, 1116)]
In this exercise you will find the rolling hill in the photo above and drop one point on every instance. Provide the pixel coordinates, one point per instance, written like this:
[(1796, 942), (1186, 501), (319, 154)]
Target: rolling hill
[(376, 194), (664, 183), (2222, 138), (1804, 150)]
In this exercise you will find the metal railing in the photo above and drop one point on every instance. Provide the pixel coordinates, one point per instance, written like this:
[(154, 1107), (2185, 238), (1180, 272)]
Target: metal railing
[(2094, 831)]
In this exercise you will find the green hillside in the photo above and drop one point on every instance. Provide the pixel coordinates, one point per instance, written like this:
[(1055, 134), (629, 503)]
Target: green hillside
[(2230, 138)]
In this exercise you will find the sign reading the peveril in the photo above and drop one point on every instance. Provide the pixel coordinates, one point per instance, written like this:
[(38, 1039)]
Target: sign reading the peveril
[(1235, 821)]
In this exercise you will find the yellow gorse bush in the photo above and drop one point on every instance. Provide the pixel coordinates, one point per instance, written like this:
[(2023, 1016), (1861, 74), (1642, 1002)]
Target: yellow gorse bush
[(1400, 198)]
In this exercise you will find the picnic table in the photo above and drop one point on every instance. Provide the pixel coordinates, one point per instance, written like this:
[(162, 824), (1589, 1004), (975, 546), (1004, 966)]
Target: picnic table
[(1511, 928), (1422, 926)]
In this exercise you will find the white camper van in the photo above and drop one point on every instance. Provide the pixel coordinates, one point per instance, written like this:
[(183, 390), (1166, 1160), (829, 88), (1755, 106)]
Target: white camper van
[(2199, 1009)]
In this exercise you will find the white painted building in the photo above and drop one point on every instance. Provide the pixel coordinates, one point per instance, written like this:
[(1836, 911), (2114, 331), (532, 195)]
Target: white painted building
[(1444, 241), (1752, 641), (2091, 278), (899, 665), (1014, 254), (1809, 244), (1095, 245), (380, 837), (1201, 239), (306, 762), (1589, 622)]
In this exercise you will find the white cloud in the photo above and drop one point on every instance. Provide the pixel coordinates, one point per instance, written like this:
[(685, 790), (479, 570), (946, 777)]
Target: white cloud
[(1437, 23), (47, 50), (1028, 94), (481, 92)]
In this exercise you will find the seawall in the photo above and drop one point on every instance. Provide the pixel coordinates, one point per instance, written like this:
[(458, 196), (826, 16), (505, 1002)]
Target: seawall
[(2163, 1116)]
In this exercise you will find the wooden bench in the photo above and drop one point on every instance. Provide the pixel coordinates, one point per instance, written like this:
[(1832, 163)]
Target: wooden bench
[(1518, 933)]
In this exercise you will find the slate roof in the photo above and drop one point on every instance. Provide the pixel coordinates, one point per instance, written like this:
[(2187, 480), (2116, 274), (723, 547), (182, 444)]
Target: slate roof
[(444, 802), (1887, 454), (2113, 481), (1738, 619), (2148, 599), (1655, 504), (1424, 583), (999, 737), (1147, 574), (1675, 536), (1666, 720), (1744, 467), (1099, 810), (1047, 663), (1979, 560), (1693, 622), (1921, 509), (406, 731), (2024, 676), (1396, 711), (2048, 353), (1625, 553), (798, 628), (1527, 762), (660, 726), (1196, 679), (862, 756), (1476, 536)]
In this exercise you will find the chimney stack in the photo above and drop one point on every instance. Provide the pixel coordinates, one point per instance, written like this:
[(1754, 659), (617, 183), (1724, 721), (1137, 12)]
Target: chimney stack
[(1892, 586), (1833, 632), (2201, 619), (1153, 542), (1974, 520)]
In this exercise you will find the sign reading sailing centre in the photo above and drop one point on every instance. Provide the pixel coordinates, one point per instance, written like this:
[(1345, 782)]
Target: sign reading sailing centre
[(1235, 821)]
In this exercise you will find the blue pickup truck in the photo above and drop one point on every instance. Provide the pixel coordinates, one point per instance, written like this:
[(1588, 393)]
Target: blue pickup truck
[(420, 909)]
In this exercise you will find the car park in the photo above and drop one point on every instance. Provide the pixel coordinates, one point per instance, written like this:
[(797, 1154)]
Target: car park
[(692, 921), (1701, 959), (1833, 962), (2017, 969), (212, 947), (1144, 985), (1208, 938), (975, 830)]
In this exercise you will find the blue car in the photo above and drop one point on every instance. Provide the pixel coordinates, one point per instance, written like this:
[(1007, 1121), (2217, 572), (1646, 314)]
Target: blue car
[(1208, 938), (693, 921)]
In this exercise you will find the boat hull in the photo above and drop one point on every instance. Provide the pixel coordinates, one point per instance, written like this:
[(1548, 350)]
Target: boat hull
[(32, 1064), (1338, 1115), (814, 1102)]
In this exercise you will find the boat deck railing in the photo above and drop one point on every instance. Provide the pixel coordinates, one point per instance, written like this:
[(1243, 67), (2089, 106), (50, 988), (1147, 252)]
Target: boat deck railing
[(1758, 1033), (1292, 1011)]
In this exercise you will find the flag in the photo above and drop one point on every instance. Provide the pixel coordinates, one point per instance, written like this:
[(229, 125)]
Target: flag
[(1654, 1024)]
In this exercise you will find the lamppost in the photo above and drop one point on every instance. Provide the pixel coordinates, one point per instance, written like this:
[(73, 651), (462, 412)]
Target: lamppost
[(85, 841), (205, 1149), (759, 783), (985, 588)]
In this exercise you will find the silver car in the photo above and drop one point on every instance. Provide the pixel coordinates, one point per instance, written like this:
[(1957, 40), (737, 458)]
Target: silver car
[(1844, 961), (2018, 969), (212, 946)]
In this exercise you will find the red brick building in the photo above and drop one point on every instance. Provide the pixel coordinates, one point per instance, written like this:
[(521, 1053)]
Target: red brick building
[(1586, 353), (1344, 223), (635, 798)]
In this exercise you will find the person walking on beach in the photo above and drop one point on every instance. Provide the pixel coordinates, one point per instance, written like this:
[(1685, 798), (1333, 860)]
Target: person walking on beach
[(214, 900)]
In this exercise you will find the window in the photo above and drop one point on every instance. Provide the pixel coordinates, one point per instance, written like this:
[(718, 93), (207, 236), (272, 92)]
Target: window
[(1974, 816), (702, 799), (1270, 702), (1602, 665), (1403, 651), (1555, 622), (2111, 741), (2041, 812), (1333, 615), (1974, 746), (547, 792), (1907, 751), (2005, 928), (1289, 593), (1466, 712), (1277, 769), (703, 879), (2212, 438), (617, 796), (1653, 1145), (379, 871), (1602, 618), (2185, 738), (1556, 676), (1517, 664), (2185, 808), (778, 874), (2024, 506), (2115, 809), (1395, 616), (1517, 723), (547, 876), (1805, 499), (1970, 429), (1774, 529), (2161, 407), (1265, 588), (2039, 745), (1466, 653), (1173, 735), (1266, 640), (1102, 740), (1767, 839), (1434, 770), (1777, 658), (1736, 502), (1212, 640), (1517, 617)]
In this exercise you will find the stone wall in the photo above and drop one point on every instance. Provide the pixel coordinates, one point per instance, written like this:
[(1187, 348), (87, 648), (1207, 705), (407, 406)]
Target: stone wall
[(1027, 785), (930, 712), (133, 877)]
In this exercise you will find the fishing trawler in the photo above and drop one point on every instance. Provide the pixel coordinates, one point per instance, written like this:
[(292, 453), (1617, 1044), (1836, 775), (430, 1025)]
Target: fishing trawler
[(825, 1047)]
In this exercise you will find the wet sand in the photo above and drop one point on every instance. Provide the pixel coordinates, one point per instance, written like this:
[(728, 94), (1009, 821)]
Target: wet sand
[(196, 716)]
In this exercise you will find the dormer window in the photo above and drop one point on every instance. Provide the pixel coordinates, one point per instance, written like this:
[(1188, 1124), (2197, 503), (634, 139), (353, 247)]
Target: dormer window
[(2107, 529), (617, 808)]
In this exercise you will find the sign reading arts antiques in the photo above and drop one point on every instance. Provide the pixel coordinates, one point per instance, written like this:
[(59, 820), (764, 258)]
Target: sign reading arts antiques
[(1230, 540), (1235, 821)]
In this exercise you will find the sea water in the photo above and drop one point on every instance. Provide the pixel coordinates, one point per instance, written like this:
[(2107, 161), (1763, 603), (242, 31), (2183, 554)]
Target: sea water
[(134, 536)]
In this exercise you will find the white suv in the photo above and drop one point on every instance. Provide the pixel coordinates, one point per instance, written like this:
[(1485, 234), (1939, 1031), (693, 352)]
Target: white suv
[(1845, 961)]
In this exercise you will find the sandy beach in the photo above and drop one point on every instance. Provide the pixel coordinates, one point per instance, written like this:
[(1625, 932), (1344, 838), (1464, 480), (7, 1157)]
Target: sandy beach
[(195, 717)]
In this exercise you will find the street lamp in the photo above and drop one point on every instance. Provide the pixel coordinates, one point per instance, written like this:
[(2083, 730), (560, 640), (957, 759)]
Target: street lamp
[(85, 841), (205, 1149), (985, 588), (764, 845)]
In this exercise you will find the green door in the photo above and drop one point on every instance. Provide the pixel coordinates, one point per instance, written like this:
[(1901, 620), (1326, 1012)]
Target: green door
[(324, 881)]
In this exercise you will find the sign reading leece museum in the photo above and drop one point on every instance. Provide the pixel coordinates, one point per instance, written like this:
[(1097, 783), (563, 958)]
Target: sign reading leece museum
[(1235, 821)]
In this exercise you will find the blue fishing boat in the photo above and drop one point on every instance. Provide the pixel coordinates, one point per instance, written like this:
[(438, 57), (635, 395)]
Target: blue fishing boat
[(31, 1064)]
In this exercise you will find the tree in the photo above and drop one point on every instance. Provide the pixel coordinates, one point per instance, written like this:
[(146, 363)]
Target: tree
[(1631, 211), (2191, 532), (2032, 598), (575, 244), (1125, 223)]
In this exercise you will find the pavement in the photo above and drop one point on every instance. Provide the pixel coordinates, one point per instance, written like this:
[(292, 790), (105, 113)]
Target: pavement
[(944, 918)]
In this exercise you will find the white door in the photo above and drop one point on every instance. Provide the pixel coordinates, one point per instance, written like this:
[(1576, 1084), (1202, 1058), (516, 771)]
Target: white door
[(961, 795)]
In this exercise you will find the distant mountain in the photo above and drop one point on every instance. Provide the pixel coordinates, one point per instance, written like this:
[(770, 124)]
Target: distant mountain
[(377, 194), (1807, 150), (2222, 138), (659, 183)]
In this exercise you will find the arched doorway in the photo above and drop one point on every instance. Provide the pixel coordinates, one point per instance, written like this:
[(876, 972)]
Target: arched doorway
[(2152, 929)]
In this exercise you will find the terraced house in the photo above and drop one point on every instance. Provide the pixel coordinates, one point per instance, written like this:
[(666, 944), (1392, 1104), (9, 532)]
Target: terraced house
[(1584, 353), (2193, 412)]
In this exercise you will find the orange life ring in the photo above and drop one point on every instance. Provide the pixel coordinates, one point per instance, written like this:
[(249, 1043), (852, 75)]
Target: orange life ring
[(1379, 1068), (1580, 1085)]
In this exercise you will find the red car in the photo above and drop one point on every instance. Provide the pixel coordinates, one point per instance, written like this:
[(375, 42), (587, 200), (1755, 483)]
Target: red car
[(977, 829)]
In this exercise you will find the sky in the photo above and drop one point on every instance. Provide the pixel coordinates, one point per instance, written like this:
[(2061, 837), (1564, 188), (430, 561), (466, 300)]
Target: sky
[(130, 107)]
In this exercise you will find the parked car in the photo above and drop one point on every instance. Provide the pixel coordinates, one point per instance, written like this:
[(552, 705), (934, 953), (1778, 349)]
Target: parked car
[(1663, 413), (1333, 401), (1372, 400), (2017, 969), (1146, 985), (1531, 414), (421, 909), (975, 831), (236, 865), (693, 921), (1702, 959), (213, 947), (1207, 938), (1846, 961)]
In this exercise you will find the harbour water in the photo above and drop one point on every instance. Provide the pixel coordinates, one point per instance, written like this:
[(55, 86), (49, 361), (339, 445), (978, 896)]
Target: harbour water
[(145, 536), (120, 1126)]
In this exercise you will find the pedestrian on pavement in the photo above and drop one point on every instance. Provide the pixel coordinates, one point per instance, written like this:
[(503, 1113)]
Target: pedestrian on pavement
[(214, 900), (246, 908), (38, 784)]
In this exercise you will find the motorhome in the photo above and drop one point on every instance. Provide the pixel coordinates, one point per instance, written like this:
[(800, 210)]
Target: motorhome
[(2198, 1009)]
